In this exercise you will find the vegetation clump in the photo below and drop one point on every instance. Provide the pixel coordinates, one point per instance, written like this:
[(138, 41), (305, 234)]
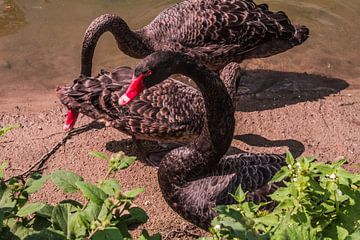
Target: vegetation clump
[(107, 214), (319, 201)]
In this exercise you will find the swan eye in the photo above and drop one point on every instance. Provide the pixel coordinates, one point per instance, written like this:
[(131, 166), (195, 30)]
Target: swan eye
[(148, 73)]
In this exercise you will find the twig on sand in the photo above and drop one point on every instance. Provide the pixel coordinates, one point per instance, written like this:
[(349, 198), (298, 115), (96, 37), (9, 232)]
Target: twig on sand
[(53, 134), (38, 165)]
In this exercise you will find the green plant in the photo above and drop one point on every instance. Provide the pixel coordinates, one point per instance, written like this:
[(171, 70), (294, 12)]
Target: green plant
[(6, 129), (107, 214), (319, 201)]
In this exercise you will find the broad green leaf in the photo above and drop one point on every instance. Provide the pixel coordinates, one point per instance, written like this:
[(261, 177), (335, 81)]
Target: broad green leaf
[(138, 214), (92, 192), (33, 186), (281, 174), (47, 234), (30, 208), (134, 192), (104, 214), (355, 235), (46, 211), (39, 223), (60, 216), (76, 226), (342, 233), (110, 187), (269, 220), (325, 169), (92, 211), (20, 231), (7, 200), (99, 155), (66, 180), (109, 233)]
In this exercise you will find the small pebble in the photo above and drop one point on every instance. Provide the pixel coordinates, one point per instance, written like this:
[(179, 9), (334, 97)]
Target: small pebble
[(5, 64)]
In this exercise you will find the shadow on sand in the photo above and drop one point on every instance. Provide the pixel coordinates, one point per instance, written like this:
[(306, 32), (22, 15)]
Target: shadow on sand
[(260, 90), (129, 148)]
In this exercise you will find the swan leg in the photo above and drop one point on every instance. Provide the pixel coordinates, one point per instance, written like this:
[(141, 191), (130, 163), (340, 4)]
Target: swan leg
[(153, 161)]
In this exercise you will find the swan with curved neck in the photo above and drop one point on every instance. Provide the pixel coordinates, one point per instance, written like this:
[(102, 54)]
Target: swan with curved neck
[(195, 178), (168, 112), (214, 32)]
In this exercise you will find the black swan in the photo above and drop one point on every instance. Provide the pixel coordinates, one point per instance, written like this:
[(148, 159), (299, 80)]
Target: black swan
[(168, 112), (215, 32), (195, 178)]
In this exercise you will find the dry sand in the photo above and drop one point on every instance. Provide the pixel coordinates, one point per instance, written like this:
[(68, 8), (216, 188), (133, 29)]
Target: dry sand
[(309, 114)]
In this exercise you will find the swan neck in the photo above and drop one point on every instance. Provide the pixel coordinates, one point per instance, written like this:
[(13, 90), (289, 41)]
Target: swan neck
[(128, 41), (219, 119), (182, 164)]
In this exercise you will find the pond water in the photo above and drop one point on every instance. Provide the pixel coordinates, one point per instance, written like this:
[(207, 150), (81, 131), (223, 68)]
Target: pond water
[(40, 40)]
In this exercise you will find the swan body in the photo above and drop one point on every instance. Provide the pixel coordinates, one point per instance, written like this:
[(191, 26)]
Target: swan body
[(215, 32), (168, 112), (196, 177)]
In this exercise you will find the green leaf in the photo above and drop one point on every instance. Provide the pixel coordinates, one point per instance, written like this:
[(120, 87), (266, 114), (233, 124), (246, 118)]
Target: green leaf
[(145, 236), (76, 226), (120, 161), (99, 155), (92, 211), (109, 233), (47, 234), (239, 195), (269, 220), (342, 233), (127, 162), (8, 129), (19, 230), (134, 192), (138, 214), (110, 187), (104, 214), (46, 211), (30, 208), (7, 200), (66, 180), (289, 158), (355, 235), (2, 214), (281, 174), (92, 192), (3, 166), (32, 186), (61, 214)]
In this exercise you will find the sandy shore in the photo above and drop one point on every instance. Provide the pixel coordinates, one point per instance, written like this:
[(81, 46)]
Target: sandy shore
[(309, 114)]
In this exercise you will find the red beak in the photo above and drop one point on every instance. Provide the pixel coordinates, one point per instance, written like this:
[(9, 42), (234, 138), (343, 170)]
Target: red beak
[(70, 121), (135, 88)]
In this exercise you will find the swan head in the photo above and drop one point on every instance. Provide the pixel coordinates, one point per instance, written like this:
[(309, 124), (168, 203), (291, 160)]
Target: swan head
[(151, 71)]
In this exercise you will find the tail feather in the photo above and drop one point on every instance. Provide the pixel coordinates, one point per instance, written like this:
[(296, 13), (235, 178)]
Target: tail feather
[(301, 34)]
